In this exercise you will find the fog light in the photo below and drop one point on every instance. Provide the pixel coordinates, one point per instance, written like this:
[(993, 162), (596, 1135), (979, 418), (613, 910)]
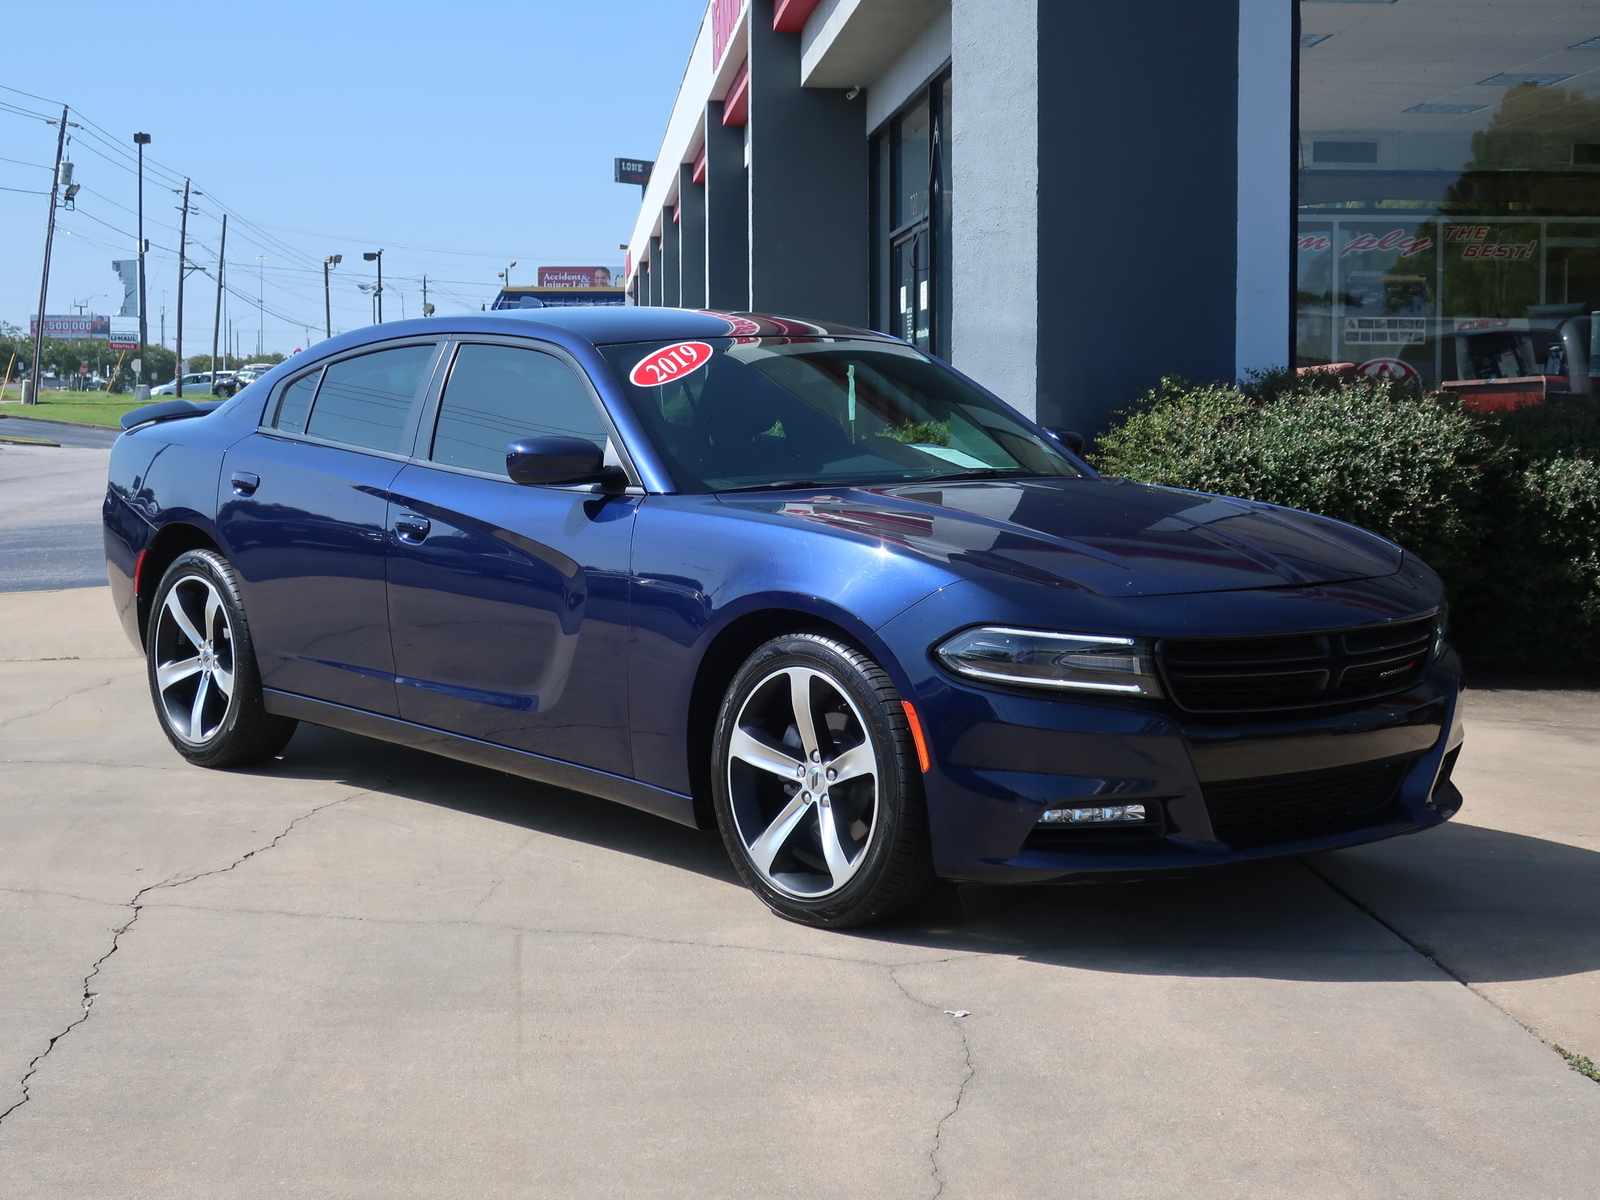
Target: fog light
[(1120, 814)]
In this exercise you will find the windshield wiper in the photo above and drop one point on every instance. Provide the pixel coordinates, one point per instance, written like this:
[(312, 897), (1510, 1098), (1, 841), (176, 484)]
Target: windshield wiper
[(781, 485), (982, 473)]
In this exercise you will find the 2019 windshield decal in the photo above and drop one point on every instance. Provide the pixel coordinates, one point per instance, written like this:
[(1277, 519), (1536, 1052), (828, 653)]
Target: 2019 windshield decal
[(669, 363)]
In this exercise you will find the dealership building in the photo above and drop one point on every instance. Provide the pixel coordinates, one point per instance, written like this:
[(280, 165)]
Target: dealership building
[(1070, 199)]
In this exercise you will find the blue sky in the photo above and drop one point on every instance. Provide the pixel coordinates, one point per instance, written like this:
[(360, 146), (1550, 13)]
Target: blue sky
[(455, 137)]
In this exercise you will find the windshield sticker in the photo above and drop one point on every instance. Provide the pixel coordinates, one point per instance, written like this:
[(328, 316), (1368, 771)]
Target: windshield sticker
[(669, 363)]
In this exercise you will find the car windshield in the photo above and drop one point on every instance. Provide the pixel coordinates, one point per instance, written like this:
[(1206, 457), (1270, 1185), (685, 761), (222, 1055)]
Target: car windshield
[(771, 412)]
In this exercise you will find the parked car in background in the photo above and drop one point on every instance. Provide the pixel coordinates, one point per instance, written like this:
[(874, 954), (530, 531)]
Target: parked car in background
[(800, 582), (198, 382), (238, 380)]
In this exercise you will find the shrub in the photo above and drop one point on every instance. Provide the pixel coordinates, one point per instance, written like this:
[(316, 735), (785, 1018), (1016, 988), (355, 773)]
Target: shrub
[(1507, 509)]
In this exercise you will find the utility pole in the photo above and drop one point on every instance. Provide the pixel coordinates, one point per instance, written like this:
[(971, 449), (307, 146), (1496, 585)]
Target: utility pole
[(427, 309), (183, 246), (261, 305), (216, 321), (377, 257), (44, 275), (141, 140), (333, 260)]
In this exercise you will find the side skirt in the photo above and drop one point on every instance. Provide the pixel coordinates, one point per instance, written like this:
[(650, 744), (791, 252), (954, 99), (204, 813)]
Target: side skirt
[(486, 754)]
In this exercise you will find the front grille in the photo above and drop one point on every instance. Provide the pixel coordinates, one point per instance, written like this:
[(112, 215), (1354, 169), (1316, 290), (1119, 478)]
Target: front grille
[(1286, 808), (1260, 674)]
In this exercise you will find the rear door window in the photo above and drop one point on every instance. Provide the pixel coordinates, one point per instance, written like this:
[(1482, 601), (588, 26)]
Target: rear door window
[(366, 401), (295, 403), (497, 395)]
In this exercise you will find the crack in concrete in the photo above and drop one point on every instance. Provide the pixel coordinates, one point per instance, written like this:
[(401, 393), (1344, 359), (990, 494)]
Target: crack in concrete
[(494, 886), (1433, 958), (57, 702), (939, 1180), (136, 905)]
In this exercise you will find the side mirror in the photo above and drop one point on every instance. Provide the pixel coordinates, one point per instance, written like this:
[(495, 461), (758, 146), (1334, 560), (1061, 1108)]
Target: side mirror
[(1072, 441), (557, 460)]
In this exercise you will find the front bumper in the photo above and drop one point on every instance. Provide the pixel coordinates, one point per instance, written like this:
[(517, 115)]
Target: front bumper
[(1379, 771)]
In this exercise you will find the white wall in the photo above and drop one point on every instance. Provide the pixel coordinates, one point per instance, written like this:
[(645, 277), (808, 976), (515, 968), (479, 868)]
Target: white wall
[(995, 206)]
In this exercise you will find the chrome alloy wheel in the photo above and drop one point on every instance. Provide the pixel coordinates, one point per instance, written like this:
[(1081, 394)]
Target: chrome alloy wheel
[(194, 659), (803, 781)]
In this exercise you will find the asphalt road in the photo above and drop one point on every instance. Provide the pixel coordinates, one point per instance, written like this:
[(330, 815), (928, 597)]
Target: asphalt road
[(367, 972), (50, 507)]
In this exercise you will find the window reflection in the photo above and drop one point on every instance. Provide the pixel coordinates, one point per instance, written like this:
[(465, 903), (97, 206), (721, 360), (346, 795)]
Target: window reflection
[(1449, 208)]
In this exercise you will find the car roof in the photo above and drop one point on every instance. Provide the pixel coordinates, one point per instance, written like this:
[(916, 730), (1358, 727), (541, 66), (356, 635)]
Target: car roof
[(604, 325)]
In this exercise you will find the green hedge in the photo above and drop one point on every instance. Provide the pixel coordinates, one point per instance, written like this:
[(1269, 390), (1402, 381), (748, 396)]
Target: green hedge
[(1506, 507)]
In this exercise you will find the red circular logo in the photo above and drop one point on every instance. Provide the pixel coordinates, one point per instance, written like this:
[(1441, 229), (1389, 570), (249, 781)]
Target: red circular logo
[(669, 363), (1390, 370)]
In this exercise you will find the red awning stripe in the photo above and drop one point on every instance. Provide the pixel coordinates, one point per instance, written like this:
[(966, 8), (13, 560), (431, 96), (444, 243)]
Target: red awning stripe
[(736, 105), (790, 15)]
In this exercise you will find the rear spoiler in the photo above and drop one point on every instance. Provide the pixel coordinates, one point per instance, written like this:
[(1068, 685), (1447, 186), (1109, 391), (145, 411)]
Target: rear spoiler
[(169, 410)]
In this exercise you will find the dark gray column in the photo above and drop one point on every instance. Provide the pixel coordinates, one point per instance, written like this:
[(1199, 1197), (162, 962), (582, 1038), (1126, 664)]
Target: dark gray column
[(809, 217), (1138, 194), (669, 259), (648, 275), (727, 226), (692, 239)]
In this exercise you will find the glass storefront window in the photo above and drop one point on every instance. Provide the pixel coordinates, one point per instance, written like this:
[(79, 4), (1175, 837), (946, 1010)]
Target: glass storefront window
[(1449, 188), (911, 222)]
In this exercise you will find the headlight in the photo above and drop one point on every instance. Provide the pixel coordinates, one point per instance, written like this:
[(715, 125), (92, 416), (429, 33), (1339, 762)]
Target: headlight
[(1082, 662)]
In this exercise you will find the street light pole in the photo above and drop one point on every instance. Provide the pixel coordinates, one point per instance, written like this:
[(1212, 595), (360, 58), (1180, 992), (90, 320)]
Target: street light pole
[(141, 389), (44, 276), (377, 257), (332, 260)]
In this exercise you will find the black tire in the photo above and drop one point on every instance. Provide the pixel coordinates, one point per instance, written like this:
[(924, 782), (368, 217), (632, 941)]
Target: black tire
[(777, 828), (201, 666)]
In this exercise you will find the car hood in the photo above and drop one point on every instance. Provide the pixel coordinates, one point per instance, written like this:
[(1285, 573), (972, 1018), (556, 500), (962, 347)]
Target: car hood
[(1110, 537)]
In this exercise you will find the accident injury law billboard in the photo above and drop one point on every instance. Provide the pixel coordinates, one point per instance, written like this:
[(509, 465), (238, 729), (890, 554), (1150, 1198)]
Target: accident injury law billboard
[(575, 277)]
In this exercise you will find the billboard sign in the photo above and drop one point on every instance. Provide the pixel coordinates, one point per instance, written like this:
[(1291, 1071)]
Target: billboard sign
[(634, 170), (124, 333), (571, 277), (74, 327)]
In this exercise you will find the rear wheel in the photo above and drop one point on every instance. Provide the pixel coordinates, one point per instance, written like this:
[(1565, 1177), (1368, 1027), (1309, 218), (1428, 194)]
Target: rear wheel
[(817, 788), (202, 667)]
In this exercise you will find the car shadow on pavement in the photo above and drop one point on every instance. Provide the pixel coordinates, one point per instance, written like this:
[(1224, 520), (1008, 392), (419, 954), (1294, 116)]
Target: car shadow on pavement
[(1489, 905)]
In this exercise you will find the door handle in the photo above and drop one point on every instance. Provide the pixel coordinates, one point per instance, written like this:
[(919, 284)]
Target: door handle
[(412, 528), (245, 483)]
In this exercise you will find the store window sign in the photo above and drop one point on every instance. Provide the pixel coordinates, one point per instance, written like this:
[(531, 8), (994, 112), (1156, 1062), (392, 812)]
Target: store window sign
[(1409, 246)]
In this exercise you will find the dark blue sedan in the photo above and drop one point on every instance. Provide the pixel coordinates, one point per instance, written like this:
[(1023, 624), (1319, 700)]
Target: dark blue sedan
[(799, 580)]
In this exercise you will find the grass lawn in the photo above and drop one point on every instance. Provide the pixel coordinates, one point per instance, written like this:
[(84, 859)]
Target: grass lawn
[(83, 408)]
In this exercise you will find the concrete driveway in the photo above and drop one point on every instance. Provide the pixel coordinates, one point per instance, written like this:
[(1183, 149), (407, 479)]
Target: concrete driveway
[(366, 972), (50, 507)]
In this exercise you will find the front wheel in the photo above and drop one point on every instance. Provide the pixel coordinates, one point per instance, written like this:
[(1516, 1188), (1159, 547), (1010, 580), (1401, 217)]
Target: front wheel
[(817, 787), (202, 667)]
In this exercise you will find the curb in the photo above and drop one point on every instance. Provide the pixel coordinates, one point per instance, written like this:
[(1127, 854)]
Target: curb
[(63, 424)]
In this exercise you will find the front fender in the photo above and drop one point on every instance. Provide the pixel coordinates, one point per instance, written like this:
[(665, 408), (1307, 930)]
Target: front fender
[(699, 571)]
